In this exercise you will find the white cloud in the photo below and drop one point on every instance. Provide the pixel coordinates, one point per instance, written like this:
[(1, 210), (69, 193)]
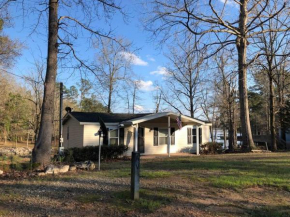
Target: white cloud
[(146, 85), (160, 71), (133, 59), (139, 108), (150, 58), (229, 2)]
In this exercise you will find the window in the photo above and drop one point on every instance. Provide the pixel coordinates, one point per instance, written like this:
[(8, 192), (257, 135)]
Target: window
[(194, 135), (160, 136), (191, 136), (122, 136), (114, 137)]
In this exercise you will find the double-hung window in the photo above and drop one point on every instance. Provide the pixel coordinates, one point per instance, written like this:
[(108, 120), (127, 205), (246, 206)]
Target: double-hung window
[(161, 135), (114, 137)]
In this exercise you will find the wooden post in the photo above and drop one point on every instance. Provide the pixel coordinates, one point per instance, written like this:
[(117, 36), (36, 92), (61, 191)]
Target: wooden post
[(169, 136), (135, 174)]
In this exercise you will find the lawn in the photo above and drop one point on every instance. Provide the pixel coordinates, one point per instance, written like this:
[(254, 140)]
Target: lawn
[(213, 185)]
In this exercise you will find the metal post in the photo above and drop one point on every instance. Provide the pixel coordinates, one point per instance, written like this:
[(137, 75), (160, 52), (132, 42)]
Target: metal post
[(60, 113), (135, 174), (169, 136), (99, 158)]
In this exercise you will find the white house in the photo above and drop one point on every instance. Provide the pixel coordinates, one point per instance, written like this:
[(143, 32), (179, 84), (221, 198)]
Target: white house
[(147, 133)]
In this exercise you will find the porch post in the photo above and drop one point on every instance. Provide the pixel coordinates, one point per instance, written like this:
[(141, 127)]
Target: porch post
[(136, 138), (169, 136), (197, 140)]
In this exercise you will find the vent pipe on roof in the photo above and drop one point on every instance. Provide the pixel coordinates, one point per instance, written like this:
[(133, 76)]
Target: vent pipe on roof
[(68, 109)]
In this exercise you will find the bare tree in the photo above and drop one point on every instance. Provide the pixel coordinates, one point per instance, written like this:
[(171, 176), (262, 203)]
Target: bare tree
[(112, 66), (35, 82), (157, 98), (208, 104), (225, 84), (225, 29), (183, 77), (275, 47)]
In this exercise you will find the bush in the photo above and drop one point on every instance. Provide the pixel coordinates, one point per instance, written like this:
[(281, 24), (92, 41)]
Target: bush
[(92, 153), (211, 148)]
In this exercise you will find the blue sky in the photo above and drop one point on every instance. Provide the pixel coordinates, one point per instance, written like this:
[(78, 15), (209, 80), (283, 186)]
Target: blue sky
[(147, 64)]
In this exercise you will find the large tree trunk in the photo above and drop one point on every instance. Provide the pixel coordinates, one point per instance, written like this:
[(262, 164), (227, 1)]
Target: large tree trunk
[(248, 143), (42, 149), (272, 115)]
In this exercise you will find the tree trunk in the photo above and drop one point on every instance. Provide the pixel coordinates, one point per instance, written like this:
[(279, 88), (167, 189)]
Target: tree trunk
[(247, 139), (272, 115), (225, 138), (42, 149), (234, 124), (134, 98), (231, 128), (27, 140), (110, 97)]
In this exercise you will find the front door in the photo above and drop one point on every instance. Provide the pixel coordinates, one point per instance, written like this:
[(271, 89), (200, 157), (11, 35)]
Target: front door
[(141, 142)]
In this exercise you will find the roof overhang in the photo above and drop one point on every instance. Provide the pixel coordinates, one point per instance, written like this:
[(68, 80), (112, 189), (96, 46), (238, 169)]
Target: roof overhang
[(184, 119)]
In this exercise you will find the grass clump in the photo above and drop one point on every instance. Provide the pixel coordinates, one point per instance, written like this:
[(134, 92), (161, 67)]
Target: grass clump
[(148, 202), (154, 174), (88, 198)]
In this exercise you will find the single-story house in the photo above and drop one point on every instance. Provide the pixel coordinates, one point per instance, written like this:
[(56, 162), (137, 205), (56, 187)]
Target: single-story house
[(148, 132)]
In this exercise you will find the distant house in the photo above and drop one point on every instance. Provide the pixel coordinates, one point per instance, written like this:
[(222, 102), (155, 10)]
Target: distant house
[(148, 133)]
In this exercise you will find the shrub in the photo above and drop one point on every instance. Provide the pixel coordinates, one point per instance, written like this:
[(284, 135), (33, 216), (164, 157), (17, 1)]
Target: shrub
[(211, 148), (92, 153)]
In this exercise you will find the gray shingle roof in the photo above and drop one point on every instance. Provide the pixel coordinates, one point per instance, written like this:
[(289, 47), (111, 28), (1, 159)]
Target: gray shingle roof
[(106, 117)]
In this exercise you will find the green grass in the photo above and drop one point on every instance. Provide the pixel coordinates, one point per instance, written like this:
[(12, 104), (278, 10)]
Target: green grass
[(149, 200), (229, 171), (88, 198)]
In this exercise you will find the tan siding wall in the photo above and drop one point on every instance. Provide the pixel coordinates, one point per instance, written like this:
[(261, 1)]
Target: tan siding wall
[(89, 135), (76, 132)]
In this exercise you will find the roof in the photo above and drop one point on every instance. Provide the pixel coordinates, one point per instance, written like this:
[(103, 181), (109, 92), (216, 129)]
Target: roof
[(128, 119), (106, 117)]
